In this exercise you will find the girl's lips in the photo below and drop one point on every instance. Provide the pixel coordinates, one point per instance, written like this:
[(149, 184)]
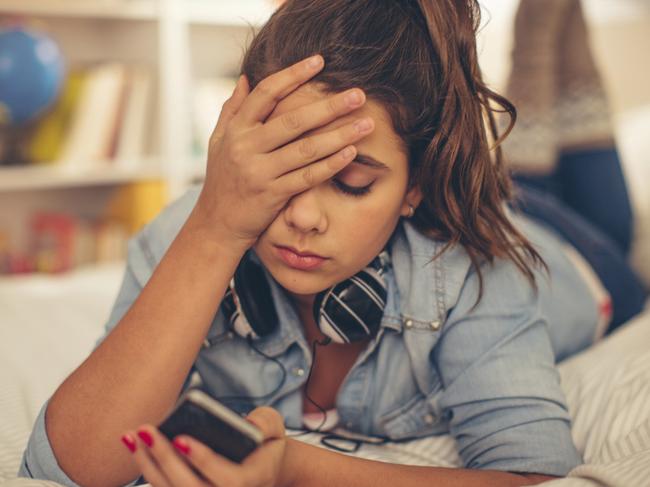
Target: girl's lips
[(297, 261)]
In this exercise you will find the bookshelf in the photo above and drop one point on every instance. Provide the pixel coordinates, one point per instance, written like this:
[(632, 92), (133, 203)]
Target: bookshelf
[(30, 178), (177, 42)]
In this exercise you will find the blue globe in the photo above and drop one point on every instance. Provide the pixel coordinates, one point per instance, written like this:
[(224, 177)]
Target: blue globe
[(31, 74)]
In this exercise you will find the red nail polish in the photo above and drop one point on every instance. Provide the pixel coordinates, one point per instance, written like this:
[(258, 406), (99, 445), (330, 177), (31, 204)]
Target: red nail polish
[(129, 442), (181, 446), (146, 437)]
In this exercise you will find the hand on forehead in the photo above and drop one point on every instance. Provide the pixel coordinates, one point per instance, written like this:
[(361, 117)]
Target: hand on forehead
[(383, 136)]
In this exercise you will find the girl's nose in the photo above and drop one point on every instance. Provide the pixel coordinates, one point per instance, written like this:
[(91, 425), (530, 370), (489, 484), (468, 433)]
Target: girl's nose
[(304, 213)]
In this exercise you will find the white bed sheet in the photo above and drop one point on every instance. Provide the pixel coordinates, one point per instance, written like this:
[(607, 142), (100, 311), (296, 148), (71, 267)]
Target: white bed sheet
[(48, 325)]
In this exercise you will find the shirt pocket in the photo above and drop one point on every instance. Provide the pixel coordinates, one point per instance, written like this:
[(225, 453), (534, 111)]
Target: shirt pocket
[(232, 372), (416, 418)]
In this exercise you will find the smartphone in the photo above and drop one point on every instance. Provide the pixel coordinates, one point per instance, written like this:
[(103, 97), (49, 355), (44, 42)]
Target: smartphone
[(223, 430)]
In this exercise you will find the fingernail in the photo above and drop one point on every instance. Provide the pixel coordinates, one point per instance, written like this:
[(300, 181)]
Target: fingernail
[(362, 125), (146, 437), (315, 61), (129, 442), (353, 98), (347, 152), (181, 446)]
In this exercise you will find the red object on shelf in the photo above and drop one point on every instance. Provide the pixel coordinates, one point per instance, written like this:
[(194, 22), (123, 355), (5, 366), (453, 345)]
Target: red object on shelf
[(53, 241), (19, 264)]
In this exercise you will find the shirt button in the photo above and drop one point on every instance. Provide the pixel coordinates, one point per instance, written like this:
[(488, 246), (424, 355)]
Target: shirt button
[(435, 325), (408, 324), (298, 371), (429, 419)]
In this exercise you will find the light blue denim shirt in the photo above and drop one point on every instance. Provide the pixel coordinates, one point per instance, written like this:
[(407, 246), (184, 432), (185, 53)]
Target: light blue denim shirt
[(485, 375)]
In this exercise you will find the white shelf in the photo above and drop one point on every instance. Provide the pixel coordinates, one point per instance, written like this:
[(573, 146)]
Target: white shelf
[(108, 9), (39, 177), (229, 13), (207, 12)]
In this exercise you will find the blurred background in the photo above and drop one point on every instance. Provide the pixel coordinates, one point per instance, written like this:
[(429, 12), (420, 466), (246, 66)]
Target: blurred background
[(106, 107)]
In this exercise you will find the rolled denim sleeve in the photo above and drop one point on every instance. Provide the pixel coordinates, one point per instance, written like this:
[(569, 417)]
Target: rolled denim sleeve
[(38, 460), (501, 389)]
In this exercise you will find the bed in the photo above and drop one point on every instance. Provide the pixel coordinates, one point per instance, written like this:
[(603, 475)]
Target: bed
[(49, 325)]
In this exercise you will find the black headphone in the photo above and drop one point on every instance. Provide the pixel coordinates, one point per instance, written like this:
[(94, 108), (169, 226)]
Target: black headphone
[(346, 312)]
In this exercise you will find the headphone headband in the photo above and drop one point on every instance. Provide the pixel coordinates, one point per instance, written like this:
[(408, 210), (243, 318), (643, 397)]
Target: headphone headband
[(346, 312)]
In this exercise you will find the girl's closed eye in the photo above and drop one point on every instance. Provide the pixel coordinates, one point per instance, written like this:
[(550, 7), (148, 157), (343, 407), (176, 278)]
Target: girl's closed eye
[(352, 181), (351, 190)]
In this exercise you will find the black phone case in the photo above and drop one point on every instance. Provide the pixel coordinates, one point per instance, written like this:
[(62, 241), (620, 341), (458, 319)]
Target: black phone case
[(191, 419)]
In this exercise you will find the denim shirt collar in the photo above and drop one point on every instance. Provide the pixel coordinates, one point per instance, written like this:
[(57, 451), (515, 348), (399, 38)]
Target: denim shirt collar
[(415, 291)]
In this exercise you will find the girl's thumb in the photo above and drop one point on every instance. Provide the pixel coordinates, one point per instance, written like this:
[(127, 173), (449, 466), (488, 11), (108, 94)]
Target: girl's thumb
[(240, 93), (231, 106)]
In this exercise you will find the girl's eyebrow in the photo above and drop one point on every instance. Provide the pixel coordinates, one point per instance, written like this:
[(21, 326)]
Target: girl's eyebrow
[(370, 162)]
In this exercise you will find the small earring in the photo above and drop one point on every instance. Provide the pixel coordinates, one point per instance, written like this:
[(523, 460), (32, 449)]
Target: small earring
[(411, 212)]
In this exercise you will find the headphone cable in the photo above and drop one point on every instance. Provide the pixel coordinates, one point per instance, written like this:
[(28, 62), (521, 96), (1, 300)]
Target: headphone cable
[(249, 339)]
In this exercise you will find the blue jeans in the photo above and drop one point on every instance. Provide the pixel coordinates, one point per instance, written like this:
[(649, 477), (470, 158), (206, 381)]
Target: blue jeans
[(600, 250), (591, 182)]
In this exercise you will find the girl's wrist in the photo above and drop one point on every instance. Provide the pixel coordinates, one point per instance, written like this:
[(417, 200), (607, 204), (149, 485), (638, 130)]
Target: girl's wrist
[(290, 471), (216, 235)]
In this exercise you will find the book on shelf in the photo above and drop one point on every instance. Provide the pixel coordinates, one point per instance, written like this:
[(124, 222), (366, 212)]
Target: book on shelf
[(132, 131), (136, 204), (101, 117), (46, 142)]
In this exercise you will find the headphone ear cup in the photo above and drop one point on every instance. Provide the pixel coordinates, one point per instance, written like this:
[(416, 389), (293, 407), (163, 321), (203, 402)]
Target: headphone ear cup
[(352, 310), (251, 291)]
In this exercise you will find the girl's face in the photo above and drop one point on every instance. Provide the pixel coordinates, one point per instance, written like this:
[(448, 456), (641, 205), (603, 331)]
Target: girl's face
[(349, 230)]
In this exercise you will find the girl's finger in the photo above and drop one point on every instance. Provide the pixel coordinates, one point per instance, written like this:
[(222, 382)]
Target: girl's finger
[(302, 179), (268, 420), (217, 469), (284, 128), (147, 465), (316, 147), (231, 106), (268, 92), (166, 458)]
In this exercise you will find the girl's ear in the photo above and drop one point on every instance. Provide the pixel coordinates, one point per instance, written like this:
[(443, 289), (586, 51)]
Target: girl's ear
[(413, 198)]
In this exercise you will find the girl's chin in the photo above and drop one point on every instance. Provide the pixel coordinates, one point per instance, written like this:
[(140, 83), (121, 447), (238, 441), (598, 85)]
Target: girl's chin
[(301, 284)]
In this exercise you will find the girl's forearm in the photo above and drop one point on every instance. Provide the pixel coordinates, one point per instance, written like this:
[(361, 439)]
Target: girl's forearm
[(136, 374), (310, 466)]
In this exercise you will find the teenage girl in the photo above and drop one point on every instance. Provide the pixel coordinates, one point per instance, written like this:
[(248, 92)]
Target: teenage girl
[(353, 193)]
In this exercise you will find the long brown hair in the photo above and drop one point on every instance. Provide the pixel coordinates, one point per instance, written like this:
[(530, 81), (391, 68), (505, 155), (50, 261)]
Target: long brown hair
[(418, 59)]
